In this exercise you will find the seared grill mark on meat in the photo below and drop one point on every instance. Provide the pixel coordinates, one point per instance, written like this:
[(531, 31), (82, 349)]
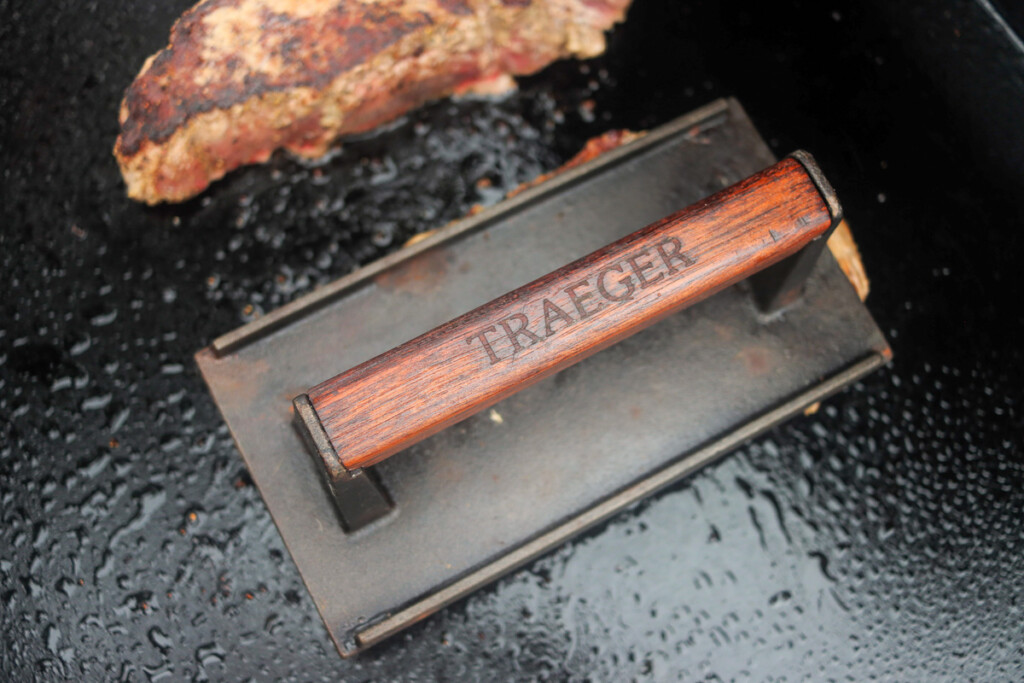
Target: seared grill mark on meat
[(241, 78)]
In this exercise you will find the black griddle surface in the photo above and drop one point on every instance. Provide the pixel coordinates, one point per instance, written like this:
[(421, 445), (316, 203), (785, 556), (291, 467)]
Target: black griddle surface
[(881, 536)]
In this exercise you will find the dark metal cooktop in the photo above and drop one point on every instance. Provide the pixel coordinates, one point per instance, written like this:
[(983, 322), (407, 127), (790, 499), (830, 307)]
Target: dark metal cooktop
[(882, 536)]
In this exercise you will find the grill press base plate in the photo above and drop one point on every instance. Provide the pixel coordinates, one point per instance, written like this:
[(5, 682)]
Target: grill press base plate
[(489, 494)]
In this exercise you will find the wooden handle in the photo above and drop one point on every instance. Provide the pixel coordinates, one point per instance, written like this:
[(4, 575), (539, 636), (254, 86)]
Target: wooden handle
[(414, 390)]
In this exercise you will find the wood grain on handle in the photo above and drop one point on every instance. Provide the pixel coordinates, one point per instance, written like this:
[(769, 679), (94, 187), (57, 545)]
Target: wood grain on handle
[(414, 390)]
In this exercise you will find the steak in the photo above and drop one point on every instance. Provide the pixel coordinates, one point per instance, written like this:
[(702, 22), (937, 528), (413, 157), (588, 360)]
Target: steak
[(242, 78)]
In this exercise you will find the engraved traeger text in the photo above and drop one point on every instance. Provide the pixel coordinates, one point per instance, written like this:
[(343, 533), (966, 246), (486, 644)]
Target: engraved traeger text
[(614, 284)]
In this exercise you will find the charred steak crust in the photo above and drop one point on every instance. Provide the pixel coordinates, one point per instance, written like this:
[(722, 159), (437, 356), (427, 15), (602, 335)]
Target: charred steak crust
[(241, 78)]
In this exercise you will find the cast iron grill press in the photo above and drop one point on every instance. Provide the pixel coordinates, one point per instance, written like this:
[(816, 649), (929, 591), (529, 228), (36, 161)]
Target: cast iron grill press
[(690, 367)]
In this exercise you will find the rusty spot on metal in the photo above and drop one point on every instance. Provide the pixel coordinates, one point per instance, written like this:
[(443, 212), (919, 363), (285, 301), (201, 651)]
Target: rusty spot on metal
[(757, 360), (421, 275)]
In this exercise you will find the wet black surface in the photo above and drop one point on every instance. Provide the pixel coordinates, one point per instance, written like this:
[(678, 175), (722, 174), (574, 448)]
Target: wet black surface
[(881, 537)]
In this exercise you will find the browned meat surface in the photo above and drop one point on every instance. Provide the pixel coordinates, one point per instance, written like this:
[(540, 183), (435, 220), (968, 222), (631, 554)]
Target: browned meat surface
[(594, 147), (241, 78)]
